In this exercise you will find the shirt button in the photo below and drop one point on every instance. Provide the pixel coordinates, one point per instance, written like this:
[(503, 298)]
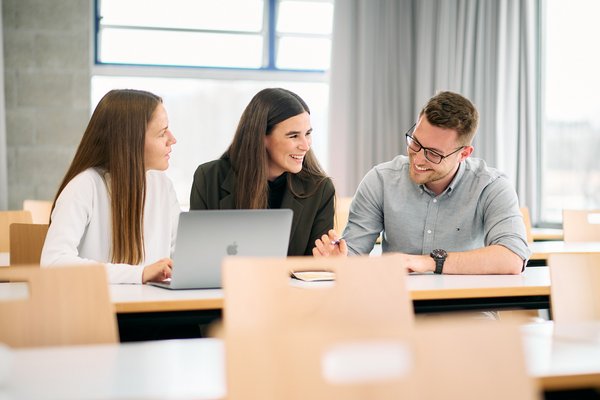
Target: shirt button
[(429, 231), (435, 200)]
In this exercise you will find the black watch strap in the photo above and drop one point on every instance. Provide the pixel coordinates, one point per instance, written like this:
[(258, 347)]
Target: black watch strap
[(439, 256), (439, 265)]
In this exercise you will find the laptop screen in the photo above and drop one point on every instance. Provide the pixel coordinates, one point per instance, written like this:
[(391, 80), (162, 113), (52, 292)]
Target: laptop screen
[(204, 237)]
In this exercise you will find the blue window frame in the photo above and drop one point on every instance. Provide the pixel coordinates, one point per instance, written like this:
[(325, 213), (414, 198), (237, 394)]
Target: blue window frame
[(291, 35)]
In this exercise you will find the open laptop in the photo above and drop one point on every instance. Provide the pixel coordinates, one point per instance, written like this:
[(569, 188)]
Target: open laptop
[(204, 237)]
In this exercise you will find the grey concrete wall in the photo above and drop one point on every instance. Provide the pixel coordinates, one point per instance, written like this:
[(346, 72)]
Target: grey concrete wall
[(47, 87)]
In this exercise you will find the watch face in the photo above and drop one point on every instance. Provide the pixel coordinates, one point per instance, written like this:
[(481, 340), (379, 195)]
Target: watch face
[(439, 253)]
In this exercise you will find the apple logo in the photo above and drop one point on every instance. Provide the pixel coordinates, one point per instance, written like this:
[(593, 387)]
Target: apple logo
[(232, 249)]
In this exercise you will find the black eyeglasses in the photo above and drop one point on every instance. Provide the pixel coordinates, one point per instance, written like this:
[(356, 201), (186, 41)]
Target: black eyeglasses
[(430, 154)]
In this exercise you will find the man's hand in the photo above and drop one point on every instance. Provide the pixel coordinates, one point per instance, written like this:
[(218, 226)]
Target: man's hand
[(417, 263), (330, 245)]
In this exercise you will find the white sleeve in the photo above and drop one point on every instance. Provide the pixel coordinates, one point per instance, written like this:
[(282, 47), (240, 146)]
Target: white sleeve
[(124, 273), (175, 210), (70, 219)]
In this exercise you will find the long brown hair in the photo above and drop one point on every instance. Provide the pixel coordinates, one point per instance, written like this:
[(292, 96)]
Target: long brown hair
[(113, 143), (247, 152)]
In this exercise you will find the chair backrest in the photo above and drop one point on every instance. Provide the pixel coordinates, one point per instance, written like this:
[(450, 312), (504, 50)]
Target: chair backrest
[(6, 219), (527, 222), (355, 338), (40, 210), (277, 328), (342, 212), (465, 358), (63, 306), (575, 289), (26, 242), (581, 225)]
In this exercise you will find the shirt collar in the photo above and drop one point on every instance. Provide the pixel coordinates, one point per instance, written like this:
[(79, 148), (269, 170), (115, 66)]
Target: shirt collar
[(457, 177)]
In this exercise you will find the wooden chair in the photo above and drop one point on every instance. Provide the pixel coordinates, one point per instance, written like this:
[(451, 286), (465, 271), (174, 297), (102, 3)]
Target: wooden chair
[(40, 210), (342, 212), (65, 306), (6, 219), (527, 222), (26, 242), (465, 358), (581, 225), (355, 337), (575, 289), (277, 329)]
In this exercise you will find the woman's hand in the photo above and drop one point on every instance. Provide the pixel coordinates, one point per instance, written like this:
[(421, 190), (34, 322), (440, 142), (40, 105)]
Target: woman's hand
[(157, 272)]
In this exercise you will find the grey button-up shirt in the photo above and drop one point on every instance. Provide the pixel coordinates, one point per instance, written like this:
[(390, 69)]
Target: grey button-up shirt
[(479, 208)]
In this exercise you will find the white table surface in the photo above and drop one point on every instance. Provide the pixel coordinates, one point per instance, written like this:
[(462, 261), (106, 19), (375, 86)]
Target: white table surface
[(148, 298), (4, 259), (547, 233), (563, 356), (541, 250), (171, 369), (535, 281), (556, 355)]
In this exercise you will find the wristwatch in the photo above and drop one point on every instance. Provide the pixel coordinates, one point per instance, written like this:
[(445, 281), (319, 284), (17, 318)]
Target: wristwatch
[(439, 256)]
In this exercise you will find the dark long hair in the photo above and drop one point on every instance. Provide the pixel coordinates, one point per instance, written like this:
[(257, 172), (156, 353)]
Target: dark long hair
[(113, 142), (247, 152)]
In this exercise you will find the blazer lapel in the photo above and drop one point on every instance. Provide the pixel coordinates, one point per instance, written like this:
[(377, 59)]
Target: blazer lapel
[(228, 201), (289, 201)]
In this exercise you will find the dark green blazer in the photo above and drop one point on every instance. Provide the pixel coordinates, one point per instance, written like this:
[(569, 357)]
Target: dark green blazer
[(214, 189)]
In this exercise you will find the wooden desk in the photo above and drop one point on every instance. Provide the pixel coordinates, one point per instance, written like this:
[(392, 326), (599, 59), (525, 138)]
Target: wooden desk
[(147, 298), (563, 356), (533, 284), (541, 250), (540, 234), (437, 293), (559, 357), (182, 369), (147, 312)]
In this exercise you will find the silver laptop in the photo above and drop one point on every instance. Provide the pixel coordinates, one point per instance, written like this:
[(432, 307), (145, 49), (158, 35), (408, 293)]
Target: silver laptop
[(204, 237)]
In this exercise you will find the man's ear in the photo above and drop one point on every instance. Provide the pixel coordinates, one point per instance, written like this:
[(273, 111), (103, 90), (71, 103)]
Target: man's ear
[(466, 152)]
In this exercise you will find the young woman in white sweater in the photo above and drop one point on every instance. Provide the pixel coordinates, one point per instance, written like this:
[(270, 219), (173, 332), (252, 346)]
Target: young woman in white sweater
[(115, 205)]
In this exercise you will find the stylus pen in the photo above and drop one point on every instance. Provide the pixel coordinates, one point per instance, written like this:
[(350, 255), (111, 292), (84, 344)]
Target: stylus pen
[(334, 242)]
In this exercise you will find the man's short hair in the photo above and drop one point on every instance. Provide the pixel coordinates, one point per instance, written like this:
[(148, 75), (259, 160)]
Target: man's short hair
[(450, 110)]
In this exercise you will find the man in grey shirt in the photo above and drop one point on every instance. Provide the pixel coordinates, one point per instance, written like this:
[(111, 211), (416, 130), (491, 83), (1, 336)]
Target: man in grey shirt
[(446, 212)]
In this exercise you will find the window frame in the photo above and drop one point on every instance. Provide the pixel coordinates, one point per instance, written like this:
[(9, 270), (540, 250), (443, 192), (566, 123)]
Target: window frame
[(543, 47), (268, 71)]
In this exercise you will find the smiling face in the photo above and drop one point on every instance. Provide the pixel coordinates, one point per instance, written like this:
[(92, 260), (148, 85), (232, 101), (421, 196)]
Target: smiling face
[(287, 145), (159, 140), (436, 177)]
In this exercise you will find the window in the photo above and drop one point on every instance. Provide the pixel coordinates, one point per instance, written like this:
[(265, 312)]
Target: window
[(253, 34), (570, 117), (154, 45)]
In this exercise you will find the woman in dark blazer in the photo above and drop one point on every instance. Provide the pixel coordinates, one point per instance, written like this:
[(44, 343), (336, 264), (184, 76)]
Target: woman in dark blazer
[(269, 164)]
